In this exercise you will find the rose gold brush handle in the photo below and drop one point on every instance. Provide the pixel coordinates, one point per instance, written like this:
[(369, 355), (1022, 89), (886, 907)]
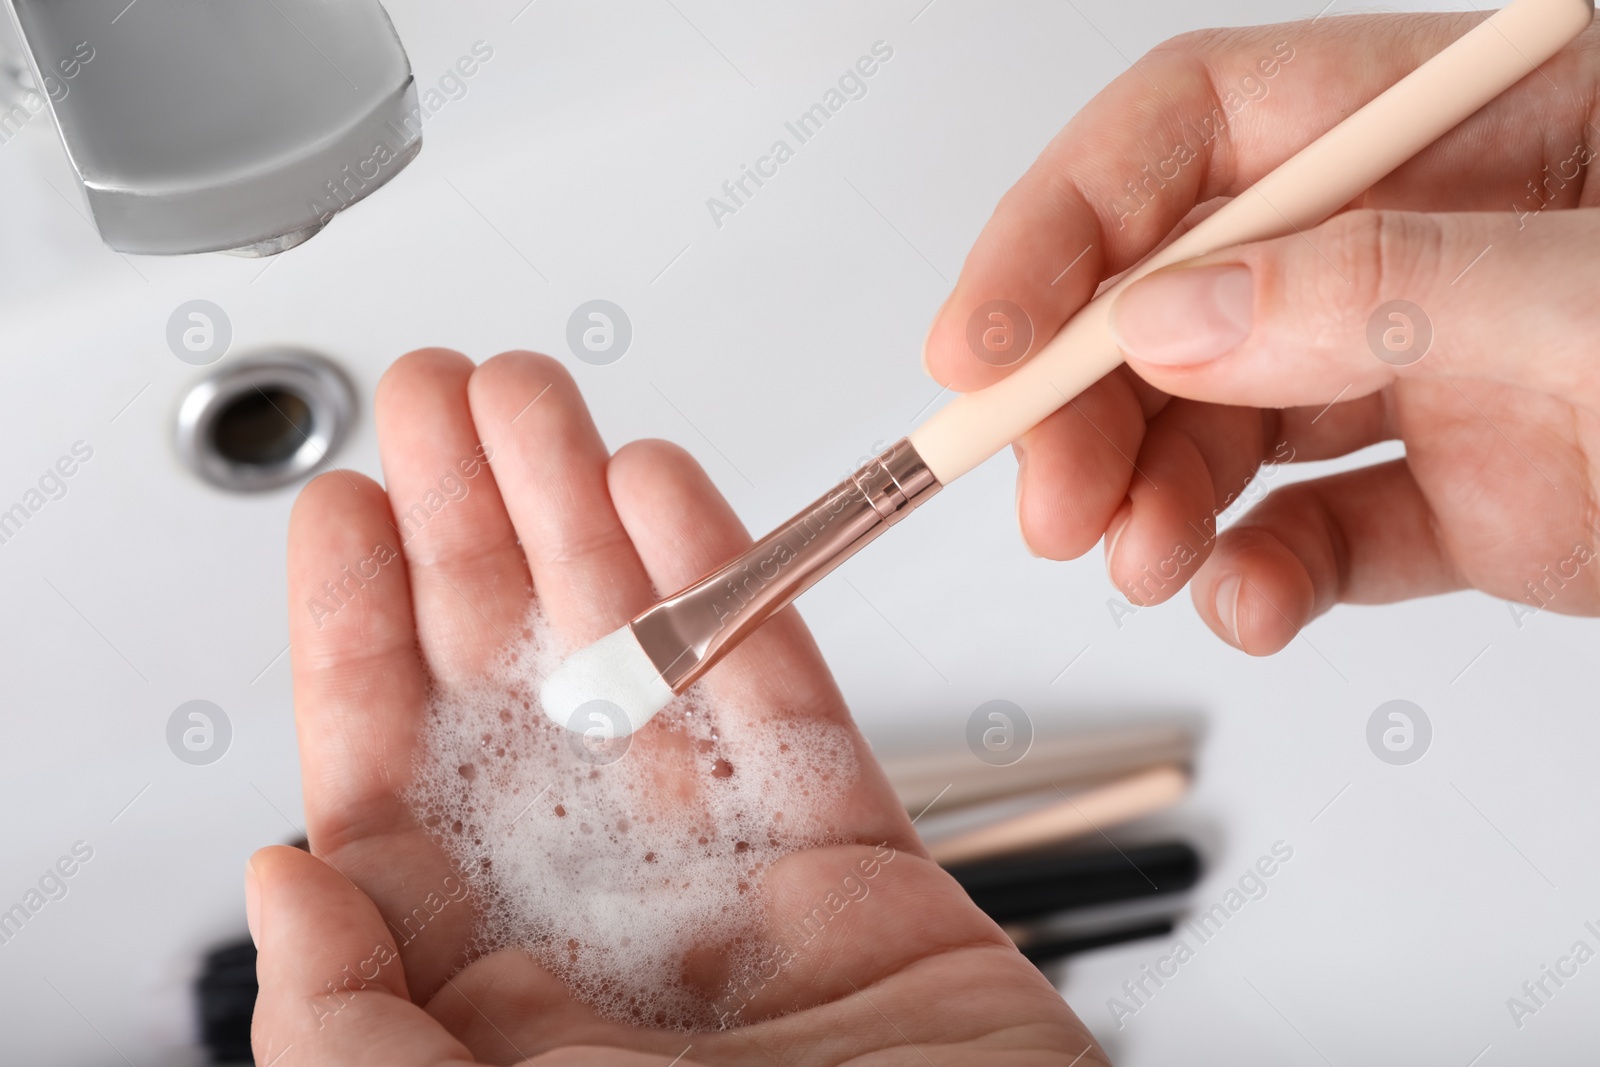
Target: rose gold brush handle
[(1301, 192), (686, 633)]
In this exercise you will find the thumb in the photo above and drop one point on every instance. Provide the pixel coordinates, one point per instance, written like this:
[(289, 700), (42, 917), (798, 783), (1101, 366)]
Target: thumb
[(1344, 309), (331, 986)]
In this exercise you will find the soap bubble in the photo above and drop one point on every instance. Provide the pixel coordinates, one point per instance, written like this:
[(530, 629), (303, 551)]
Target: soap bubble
[(614, 873)]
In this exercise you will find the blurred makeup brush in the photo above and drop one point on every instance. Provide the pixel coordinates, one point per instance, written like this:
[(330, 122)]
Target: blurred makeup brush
[(1069, 761), (1067, 817)]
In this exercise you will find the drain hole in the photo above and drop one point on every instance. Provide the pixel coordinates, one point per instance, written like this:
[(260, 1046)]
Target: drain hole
[(263, 428), (267, 420)]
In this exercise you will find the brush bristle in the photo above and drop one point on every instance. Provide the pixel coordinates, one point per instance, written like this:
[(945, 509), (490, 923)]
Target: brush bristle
[(609, 687)]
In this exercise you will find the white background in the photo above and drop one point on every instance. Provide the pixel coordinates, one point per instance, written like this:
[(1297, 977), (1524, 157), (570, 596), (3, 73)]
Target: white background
[(778, 348)]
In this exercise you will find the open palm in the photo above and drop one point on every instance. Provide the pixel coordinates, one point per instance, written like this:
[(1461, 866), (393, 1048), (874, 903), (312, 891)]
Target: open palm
[(365, 945)]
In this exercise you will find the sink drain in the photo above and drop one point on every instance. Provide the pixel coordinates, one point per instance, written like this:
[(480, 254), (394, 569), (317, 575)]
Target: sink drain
[(264, 421)]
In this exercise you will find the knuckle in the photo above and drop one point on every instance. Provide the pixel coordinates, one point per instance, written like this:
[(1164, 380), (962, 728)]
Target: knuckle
[(1332, 280), (599, 544), (1295, 522), (1383, 255)]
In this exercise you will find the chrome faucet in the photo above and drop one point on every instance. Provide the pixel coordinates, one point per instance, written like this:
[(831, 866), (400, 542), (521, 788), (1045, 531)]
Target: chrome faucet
[(237, 126)]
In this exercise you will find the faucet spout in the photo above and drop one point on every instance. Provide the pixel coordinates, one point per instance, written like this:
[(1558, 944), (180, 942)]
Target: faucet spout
[(222, 125)]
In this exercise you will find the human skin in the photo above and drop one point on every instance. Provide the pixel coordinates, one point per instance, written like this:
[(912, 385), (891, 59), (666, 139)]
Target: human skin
[(910, 973), (1260, 352)]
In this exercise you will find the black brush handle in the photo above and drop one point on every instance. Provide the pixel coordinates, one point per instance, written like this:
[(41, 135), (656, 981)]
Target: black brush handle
[(1025, 887), (226, 990)]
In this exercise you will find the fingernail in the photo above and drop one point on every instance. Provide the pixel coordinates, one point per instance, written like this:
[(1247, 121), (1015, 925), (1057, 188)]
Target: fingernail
[(1184, 316), (1022, 468), (252, 902), (1228, 591), (1114, 531)]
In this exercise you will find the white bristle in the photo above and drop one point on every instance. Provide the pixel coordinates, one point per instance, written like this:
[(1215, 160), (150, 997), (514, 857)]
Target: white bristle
[(594, 684)]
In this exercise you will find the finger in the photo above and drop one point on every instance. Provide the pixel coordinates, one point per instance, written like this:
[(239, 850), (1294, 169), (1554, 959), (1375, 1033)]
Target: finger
[(550, 464), (1074, 481), (1308, 319), (360, 695), (359, 687), (1074, 467), (469, 580), (1194, 461), (1364, 537), (1208, 114), (1307, 434), (331, 983), (683, 528)]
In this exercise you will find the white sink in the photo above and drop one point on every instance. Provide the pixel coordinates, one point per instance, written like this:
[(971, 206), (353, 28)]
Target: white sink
[(575, 164)]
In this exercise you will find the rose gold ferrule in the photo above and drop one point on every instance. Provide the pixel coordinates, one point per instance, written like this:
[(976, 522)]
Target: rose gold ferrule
[(686, 633)]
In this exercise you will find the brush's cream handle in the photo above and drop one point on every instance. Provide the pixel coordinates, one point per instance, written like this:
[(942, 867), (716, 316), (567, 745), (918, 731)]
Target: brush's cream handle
[(1303, 191)]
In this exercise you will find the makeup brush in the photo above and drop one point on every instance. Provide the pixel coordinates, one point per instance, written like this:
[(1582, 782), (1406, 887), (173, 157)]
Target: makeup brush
[(1090, 918), (1070, 816), (955, 779), (226, 996), (1047, 949), (1024, 888), (626, 677)]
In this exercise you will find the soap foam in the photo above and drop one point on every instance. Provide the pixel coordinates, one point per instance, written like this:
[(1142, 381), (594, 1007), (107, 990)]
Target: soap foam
[(618, 864)]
